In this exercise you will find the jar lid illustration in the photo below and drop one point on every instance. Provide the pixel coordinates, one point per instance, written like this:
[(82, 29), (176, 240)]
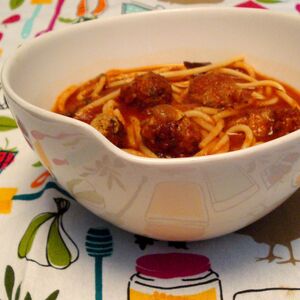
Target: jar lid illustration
[(172, 265)]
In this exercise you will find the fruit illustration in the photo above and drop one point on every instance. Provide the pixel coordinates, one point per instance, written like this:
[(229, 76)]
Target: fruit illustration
[(47, 229), (7, 156)]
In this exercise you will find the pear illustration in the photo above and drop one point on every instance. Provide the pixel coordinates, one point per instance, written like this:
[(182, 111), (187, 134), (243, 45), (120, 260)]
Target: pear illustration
[(46, 241)]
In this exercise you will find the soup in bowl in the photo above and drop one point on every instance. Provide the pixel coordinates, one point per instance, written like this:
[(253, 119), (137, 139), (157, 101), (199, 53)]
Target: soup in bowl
[(160, 153), (182, 110)]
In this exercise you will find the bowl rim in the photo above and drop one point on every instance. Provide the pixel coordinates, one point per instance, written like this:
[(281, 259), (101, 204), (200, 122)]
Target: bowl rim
[(169, 162)]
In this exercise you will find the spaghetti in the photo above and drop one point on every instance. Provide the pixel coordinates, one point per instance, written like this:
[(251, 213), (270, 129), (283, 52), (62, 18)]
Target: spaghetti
[(181, 110)]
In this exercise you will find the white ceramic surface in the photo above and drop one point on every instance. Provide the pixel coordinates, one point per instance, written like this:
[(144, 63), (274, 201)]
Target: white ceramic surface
[(172, 199)]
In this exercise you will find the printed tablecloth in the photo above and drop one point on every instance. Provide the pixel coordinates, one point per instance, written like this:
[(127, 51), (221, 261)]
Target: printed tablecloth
[(52, 248)]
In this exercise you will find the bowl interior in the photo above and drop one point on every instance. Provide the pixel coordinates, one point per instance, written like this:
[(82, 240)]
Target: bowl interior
[(44, 67)]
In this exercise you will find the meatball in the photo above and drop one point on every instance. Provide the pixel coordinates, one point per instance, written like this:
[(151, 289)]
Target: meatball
[(164, 113), (267, 123), (111, 128), (216, 90), (147, 90), (287, 121), (168, 133), (260, 120)]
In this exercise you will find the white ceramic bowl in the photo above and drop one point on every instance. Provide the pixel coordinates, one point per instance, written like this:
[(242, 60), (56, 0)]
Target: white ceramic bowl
[(172, 199)]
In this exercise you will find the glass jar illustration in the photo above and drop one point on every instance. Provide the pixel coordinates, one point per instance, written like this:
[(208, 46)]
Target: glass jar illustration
[(174, 276)]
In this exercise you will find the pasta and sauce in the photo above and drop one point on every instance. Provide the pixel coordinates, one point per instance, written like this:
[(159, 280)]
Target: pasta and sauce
[(183, 110)]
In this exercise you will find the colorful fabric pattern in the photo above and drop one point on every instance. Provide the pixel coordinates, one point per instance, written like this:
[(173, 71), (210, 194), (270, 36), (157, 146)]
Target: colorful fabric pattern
[(52, 248)]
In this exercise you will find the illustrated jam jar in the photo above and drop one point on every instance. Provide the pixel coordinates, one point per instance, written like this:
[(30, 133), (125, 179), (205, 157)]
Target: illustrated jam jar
[(174, 276)]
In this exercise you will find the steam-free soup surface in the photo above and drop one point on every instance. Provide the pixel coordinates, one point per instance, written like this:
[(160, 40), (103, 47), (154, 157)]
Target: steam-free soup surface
[(182, 110)]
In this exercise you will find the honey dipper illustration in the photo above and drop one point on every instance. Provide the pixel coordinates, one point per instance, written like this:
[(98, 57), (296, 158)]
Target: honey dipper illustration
[(99, 244), (280, 227)]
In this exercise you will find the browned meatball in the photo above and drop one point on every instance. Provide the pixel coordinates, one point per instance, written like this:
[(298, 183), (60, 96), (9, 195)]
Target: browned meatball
[(287, 121), (147, 90), (216, 90), (267, 123), (168, 133), (260, 120), (111, 128)]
